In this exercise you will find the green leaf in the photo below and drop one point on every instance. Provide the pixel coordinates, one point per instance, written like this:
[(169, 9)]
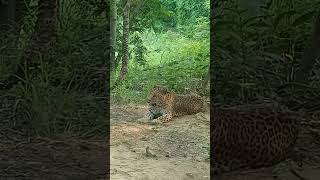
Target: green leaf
[(250, 43), (303, 18), (234, 35), (281, 16), (251, 19)]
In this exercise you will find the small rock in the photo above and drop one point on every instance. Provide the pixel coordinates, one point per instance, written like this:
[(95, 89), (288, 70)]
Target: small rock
[(149, 153), (198, 159), (168, 154), (185, 155)]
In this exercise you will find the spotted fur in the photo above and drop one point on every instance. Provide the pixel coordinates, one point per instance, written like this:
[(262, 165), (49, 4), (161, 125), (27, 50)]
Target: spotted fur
[(174, 104), (251, 136)]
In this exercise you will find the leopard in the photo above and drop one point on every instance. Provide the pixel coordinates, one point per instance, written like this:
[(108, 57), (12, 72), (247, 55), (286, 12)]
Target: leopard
[(173, 104), (251, 136)]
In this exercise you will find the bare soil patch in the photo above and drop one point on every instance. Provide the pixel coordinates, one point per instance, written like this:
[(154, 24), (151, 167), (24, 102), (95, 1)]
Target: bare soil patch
[(177, 150)]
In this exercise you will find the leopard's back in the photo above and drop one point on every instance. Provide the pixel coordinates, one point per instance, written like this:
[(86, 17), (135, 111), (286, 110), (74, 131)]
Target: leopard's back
[(176, 104), (252, 136), (187, 104)]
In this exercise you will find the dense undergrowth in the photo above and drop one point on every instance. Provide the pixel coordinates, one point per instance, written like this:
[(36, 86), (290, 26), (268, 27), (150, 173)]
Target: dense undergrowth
[(67, 94), (257, 51), (172, 60), (172, 52)]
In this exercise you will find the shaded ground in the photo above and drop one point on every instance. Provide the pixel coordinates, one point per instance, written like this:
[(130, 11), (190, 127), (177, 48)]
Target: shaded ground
[(59, 158), (53, 159), (179, 150)]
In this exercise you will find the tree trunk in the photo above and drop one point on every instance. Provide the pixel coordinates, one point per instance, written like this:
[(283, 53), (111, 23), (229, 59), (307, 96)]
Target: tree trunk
[(306, 65), (45, 31), (206, 79), (113, 32), (125, 41), (117, 60)]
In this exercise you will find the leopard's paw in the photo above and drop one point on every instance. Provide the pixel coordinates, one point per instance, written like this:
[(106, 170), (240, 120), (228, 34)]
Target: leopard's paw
[(156, 121), (143, 120)]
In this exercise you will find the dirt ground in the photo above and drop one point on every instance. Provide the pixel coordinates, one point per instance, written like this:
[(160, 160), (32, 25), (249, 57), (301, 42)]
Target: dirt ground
[(64, 158), (179, 150)]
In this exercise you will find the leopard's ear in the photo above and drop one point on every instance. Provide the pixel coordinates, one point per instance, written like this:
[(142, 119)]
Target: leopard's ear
[(157, 87)]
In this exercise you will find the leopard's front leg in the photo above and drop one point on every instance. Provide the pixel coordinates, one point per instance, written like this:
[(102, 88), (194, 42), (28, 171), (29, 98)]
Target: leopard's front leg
[(164, 118)]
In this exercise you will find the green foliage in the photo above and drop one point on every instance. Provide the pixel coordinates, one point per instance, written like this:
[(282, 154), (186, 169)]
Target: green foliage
[(169, 45), (174, 61), (12, 43), (189, 11), (171, 6), (44, 109), (257, 51), (138, 49), (66, 94), (146, 14), (200, 30), (8, 55)]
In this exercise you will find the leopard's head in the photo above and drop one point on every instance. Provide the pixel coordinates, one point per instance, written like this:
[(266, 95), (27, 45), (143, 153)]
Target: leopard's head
[(157, 96)]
